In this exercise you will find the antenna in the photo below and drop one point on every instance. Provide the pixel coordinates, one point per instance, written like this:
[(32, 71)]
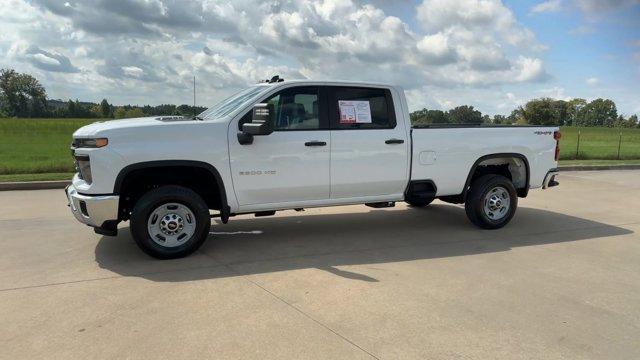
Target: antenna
[(194, 96)]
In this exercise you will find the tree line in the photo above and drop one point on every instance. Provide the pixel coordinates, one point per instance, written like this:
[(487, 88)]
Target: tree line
[(22, 95), (543, 111)]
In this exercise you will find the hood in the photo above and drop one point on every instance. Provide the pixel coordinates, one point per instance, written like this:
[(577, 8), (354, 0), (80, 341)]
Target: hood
[(101, 127)]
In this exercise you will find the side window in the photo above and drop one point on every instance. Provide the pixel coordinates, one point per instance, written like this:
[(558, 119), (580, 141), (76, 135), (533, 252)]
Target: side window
[(294, 108), (362, 108)]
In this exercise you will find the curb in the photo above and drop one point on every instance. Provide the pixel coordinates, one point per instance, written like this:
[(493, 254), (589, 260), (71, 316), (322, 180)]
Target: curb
[(34, 185), (598, 167), (61, 184)]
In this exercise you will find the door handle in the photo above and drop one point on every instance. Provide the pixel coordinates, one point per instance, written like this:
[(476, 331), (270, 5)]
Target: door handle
[(315, 143), (394, 141)]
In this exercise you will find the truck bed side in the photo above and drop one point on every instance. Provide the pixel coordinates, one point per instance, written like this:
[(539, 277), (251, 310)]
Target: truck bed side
[(447, 155)]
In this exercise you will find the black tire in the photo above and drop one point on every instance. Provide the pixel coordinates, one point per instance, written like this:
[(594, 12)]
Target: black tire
[(165, 195), (419, 202), (475, 203)]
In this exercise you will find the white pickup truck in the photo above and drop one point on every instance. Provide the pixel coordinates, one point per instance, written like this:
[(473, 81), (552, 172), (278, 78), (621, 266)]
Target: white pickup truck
[(296, 144)]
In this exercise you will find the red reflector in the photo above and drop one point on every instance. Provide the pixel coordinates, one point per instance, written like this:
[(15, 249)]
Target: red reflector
[(557, 135)]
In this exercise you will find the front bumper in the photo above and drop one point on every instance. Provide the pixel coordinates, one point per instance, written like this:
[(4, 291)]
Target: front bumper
[(550, 179), (98, 211)]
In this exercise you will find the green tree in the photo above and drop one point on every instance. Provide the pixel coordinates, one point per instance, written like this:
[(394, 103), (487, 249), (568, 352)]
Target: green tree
[(96, 110), (575, 108), (515, 116), (500, 120), (21, 95), (464, 115), (105, 109), (599, 112), (134, 113), (119, 113), (545, 111), (71, 110), (426, 116)]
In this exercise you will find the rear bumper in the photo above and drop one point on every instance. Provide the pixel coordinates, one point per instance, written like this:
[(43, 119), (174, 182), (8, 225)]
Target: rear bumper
[(550, 179), (98, 211)]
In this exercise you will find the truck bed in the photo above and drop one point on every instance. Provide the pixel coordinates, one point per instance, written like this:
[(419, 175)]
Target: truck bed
[(445, 153)]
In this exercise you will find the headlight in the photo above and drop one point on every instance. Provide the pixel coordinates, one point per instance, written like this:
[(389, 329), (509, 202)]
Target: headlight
[(84, 168), (89, 143)]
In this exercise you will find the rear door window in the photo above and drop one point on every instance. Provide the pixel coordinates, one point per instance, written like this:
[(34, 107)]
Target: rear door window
[(361, 108)]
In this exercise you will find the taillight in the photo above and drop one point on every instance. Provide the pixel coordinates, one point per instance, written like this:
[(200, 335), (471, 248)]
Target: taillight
[(557, 135)]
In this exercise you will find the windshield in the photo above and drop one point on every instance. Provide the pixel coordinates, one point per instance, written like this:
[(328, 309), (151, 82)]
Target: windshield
[(226, 106)]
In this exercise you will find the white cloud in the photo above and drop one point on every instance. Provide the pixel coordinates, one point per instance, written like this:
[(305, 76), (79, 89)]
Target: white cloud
[(547, 6), (133, 71), (592, 81), (482, 17), (435, 49), (46, 60), (556, 92), (126, 50)]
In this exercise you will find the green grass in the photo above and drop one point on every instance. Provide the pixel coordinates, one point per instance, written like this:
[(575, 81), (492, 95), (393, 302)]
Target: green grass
[(600, 162), (30, 146), (599, 143), (36, 177)]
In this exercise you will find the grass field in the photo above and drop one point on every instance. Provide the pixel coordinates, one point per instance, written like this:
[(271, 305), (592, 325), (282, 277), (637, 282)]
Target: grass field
[(31, 148), (599, 143), (35, 177)]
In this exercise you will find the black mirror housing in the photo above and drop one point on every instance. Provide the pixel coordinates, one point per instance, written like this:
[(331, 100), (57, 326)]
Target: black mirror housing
[(261, 120)]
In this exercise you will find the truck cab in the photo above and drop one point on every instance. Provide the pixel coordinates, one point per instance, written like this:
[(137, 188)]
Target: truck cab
[(295, 144)]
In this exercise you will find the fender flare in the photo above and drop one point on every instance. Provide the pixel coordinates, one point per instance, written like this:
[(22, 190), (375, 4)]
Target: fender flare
[(521, 192), (225, 209)]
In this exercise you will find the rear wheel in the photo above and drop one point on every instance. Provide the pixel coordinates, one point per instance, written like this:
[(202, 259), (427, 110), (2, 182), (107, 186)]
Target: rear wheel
[(170, 222), (491, 201)]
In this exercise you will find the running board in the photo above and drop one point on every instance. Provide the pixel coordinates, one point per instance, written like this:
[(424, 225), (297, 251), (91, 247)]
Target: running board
[(264, 213), (380, 205)]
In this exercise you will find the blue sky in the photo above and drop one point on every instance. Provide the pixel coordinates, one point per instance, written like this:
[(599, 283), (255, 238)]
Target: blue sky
[(492, 54), (584, 45)]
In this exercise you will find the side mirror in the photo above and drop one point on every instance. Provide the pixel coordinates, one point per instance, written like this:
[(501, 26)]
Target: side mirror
[(261, 121)]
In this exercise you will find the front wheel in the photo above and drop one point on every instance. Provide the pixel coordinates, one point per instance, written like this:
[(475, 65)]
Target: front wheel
[(491, 201), (170, 222)]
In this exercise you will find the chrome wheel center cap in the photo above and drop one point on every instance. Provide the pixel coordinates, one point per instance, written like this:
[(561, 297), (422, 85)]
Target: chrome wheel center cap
[(171, 224), (495, 203)]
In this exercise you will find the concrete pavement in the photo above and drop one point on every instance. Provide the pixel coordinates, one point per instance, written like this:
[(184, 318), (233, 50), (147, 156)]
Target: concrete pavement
[(561, 281)]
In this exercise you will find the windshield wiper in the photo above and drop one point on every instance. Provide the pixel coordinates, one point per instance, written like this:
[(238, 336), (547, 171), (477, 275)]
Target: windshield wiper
[(197, 118)]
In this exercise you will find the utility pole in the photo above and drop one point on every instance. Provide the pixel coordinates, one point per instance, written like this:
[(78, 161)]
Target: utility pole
[(194, 96)]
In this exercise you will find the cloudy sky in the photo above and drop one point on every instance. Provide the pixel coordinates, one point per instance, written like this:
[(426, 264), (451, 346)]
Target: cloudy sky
[(492, 54)]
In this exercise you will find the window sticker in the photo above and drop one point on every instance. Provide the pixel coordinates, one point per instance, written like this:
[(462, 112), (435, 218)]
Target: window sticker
[(354, 112)]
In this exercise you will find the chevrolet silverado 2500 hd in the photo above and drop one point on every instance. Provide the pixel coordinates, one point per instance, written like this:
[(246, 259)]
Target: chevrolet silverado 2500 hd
[(295, 144)]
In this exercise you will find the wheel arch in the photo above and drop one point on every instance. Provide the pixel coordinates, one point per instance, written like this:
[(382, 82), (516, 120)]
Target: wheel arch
[(522, 191), (158, 165)]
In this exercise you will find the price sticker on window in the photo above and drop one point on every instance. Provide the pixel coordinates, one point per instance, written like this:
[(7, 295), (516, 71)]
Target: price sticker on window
[(354, 112)]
